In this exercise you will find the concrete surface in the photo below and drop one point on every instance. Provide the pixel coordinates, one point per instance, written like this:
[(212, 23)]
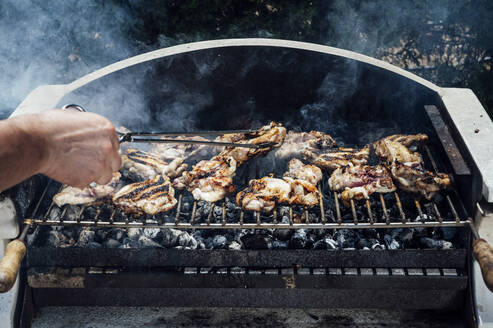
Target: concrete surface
[(113, 317)]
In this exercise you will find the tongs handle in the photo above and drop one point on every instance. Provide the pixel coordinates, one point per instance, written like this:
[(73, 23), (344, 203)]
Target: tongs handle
[(11, 261)]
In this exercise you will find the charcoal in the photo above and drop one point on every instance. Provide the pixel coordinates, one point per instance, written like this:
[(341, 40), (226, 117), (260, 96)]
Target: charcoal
[(154, 233), (170, 237), (346, 238), (282, 234), (185, 240), (278, 244), (186, 207), (101, 235), (391, 242), (117, 234), (219, 242), (284, 211), (53, 239), (426, 242), (375, 244), (234, 245), (256, 241), (55, 213), (208, 243), (325, 243), (134, 233), (93, 244), (285, 219), (200, 245), (147, 242), (72, 213), (112, 243), (130, 243), (85, 237), (310, 240), (298, 240), (364, 243)]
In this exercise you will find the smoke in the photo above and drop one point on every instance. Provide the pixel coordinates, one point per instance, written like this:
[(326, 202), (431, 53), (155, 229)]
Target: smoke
[(55, 42)]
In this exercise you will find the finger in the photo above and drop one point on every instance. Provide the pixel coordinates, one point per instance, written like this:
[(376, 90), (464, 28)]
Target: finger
[(105, 177), (116, 162), (115, 142)]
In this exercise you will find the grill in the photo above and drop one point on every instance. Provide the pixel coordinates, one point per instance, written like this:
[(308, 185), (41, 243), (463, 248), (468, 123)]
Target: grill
[(344, 277), (188, 220)]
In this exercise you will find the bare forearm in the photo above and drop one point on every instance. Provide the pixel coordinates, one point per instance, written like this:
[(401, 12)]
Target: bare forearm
[(21, 154)]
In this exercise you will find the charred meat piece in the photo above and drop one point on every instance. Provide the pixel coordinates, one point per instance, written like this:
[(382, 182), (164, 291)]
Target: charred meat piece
[(303, 192), (406, 165), (189, 152), (274, 132), (263, 194), (338, 157), (357, 182), (296, 143), (413, 178), (397, 148), (298, 170), (90, 194), (209, 180), (138, 165), (149, 197)]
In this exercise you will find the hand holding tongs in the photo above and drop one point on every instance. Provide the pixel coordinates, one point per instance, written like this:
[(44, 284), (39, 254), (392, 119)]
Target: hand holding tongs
[(138, 136)]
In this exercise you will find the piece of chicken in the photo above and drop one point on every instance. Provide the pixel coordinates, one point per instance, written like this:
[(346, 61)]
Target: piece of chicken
[(397, 148), (338, 157), (298, 170), (406, 166), (138, 165), (413, 178), (358, 182), (92, 193), (263, 194), (210, 180), (296, 143), (189, 152), (149, 197), (274, 132), (303, 192)]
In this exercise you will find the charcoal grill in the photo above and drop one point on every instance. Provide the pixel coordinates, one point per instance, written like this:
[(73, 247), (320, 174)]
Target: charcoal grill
[(406, 278)]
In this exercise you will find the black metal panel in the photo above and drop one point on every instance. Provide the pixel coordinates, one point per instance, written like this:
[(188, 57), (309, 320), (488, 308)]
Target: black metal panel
[(259, 297), (157, 257)]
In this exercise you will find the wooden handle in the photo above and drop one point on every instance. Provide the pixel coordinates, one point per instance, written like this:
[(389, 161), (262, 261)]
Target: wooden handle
[(9, 265), (483, 253)]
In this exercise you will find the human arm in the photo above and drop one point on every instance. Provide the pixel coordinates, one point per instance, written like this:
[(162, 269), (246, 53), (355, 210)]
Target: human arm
[(70, 147)]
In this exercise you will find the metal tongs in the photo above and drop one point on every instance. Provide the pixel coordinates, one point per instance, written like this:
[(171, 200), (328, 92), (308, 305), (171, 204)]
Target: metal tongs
[(140, 136)]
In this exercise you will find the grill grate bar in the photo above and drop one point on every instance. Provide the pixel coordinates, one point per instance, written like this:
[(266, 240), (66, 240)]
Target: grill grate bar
[(338, 209), (368, 207), (353, 210), (399, 206), (183, 225), (384, 209)]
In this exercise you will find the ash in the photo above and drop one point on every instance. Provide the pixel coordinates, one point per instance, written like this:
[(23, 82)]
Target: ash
[(329, 239)]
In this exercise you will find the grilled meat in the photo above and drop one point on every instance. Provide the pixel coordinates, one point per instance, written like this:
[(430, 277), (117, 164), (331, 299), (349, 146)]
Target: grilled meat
[(357, 182), (209, 180), (298, 170), (149, 197), (274, 132), (138, 165), (397, 148), (338, 157), (263, 194), (296, 143), (189, 152), (406, 166), (413, 178), (92, 193), (302, 192)]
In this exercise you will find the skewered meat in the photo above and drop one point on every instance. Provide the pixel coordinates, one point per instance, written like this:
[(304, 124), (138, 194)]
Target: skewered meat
[(189, 152), (338, 157), (296, 143), (263, 194), (298, 170), (274, 132), (138, 165), (92, 193), (150, 196), (357, 182), (414, 178), (209, 180), (406, 166), (302, 192)]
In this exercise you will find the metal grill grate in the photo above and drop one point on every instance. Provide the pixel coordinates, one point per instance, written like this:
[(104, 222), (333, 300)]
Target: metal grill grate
[(298, 218)]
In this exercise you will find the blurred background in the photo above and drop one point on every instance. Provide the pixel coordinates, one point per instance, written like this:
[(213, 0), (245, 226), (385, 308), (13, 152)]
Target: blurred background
[(449, 42)]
